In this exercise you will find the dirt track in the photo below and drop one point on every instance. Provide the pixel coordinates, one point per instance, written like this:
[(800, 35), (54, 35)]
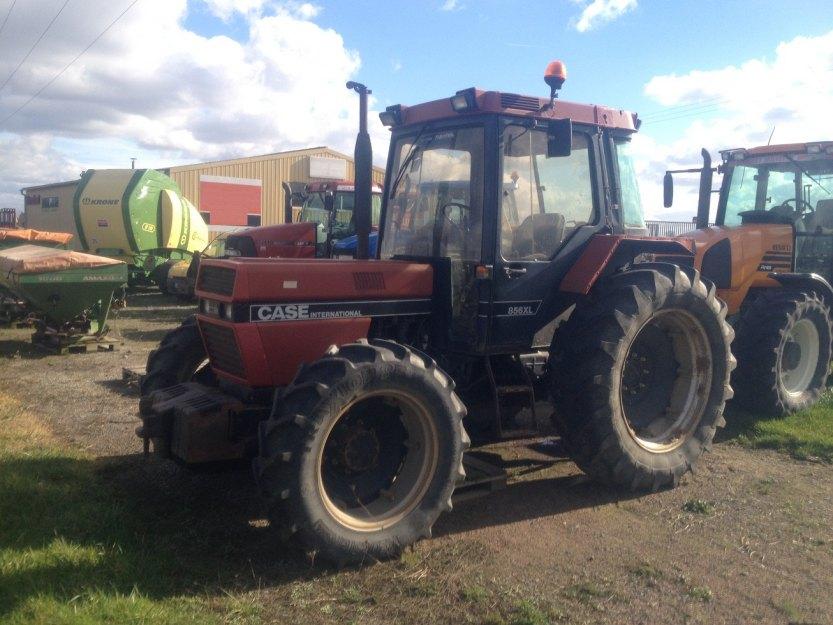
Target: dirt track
[(746, 539)]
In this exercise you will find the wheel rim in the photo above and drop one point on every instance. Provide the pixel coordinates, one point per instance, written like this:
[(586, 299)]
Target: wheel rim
[(377, 460), (799, 357), (666, 380)]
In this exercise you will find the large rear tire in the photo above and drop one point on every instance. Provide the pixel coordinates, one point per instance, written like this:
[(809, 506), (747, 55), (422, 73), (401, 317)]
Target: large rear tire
[(362, 451), (783, 348), (640, 376), (180, 357)]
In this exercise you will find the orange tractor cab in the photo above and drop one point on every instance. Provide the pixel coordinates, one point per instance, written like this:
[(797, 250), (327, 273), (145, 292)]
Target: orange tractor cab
[(770, 255), (511, 270)]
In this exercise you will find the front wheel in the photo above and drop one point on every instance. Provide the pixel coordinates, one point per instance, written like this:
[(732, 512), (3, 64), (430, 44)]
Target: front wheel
[(784, 351), (180, 357), (640, 376), (362, 451)]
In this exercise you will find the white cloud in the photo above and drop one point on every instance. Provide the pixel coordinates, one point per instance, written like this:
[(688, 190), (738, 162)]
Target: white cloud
[(736, 106), (600, 11), (451, 5), (152, 83), (29, 161), (227, 9)]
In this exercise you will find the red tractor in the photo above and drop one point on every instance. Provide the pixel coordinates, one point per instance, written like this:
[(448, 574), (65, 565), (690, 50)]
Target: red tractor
[(512, 268)]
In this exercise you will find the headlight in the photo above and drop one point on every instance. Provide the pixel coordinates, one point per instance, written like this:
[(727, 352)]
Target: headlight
[(211, 307), (228, 312)]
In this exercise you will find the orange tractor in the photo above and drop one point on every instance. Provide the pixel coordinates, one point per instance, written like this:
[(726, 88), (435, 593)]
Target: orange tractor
[(512, 269), (770, 255)]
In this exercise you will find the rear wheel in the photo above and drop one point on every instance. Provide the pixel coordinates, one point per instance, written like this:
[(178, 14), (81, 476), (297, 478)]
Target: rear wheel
[(640, 376), (180, 357), (362, 451), (784, 351)]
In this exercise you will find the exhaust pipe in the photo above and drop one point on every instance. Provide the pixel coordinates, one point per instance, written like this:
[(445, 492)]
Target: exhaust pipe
[(704, 199), (363, 164)]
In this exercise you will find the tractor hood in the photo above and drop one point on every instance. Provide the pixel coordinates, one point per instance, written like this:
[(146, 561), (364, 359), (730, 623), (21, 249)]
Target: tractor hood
[(259, 317)]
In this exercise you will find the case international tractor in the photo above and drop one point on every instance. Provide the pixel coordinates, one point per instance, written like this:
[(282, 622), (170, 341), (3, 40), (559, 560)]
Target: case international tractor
[(770, 255), (511, 269)]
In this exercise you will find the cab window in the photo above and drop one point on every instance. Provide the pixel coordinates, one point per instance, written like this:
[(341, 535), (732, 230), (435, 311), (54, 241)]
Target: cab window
[(544, 200), (628, 186)]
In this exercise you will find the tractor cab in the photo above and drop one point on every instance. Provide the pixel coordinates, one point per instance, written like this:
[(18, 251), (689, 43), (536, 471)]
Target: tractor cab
[(330, 206), (786, 184), (501, 193)]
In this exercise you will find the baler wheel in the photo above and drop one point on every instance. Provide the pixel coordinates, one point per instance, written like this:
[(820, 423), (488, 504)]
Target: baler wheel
[(362, 451), (784, 350), (640, 376), (180, 357)]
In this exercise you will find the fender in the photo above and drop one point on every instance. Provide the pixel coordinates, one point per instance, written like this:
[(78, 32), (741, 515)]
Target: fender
[(606, 253), (806, 282)]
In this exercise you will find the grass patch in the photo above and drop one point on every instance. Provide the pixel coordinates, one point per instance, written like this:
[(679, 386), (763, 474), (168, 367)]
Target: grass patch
[(787, 609), (646, 571), (474, 594), (588, 593), (527, 613), (75, 550), (804, 435), (699, 506), (701, 593)]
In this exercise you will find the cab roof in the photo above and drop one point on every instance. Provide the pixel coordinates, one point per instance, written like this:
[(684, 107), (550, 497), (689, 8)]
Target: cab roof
[(810, 147), (523, 105)]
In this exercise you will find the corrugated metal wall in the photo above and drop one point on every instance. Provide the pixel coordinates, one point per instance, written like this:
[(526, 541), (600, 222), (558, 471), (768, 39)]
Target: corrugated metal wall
[(272, 170), (60, 218)]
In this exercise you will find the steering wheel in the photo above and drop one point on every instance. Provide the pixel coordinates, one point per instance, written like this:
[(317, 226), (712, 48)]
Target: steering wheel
[(799, 205)]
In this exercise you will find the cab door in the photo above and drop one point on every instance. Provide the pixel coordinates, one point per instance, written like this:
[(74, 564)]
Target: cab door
[(548, 209)]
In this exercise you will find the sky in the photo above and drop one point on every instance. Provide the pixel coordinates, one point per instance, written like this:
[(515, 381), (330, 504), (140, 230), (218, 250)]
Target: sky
[(92, 83)]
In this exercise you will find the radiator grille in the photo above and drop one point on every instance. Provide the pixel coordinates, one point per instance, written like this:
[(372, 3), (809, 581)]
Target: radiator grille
[(222, 349), (218, 280), (369, 280), (515, 101)]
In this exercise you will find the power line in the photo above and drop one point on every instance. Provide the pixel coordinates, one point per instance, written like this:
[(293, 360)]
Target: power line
[(6, 19), (665, 109), (709, 108), (34, 45), (67, 66)]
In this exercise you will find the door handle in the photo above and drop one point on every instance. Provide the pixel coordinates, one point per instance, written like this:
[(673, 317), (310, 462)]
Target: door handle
[(514, 272)]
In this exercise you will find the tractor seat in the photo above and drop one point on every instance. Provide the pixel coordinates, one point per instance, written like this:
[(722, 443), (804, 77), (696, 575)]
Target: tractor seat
[(822, 219), (538, 235)]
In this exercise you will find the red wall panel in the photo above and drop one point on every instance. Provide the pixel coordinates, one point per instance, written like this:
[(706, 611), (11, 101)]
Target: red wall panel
[(229, 200)]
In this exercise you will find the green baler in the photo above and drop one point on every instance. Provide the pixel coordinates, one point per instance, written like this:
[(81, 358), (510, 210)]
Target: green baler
[(138, 216)]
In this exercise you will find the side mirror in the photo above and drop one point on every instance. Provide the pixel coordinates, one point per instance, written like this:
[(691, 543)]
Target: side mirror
[(667, 190), (559, 137)]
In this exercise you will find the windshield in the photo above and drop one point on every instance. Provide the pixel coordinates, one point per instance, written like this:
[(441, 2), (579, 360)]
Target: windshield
[(629, 186), (436, 208), (800, 191), (343, 203), (217, 247)]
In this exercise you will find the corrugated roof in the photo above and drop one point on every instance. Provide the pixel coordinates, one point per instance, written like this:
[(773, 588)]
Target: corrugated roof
[(262, 157), (50, 185)]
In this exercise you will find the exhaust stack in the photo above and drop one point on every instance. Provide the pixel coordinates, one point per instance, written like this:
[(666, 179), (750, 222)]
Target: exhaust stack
[(363, 163)]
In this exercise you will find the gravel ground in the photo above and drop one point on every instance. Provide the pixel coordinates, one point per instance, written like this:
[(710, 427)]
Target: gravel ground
[(746, 539)]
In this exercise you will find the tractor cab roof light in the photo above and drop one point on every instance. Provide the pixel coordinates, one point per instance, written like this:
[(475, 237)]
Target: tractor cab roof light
[(814, 148), (464, 101), (391, 116), (733, 155), (554, 76)]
